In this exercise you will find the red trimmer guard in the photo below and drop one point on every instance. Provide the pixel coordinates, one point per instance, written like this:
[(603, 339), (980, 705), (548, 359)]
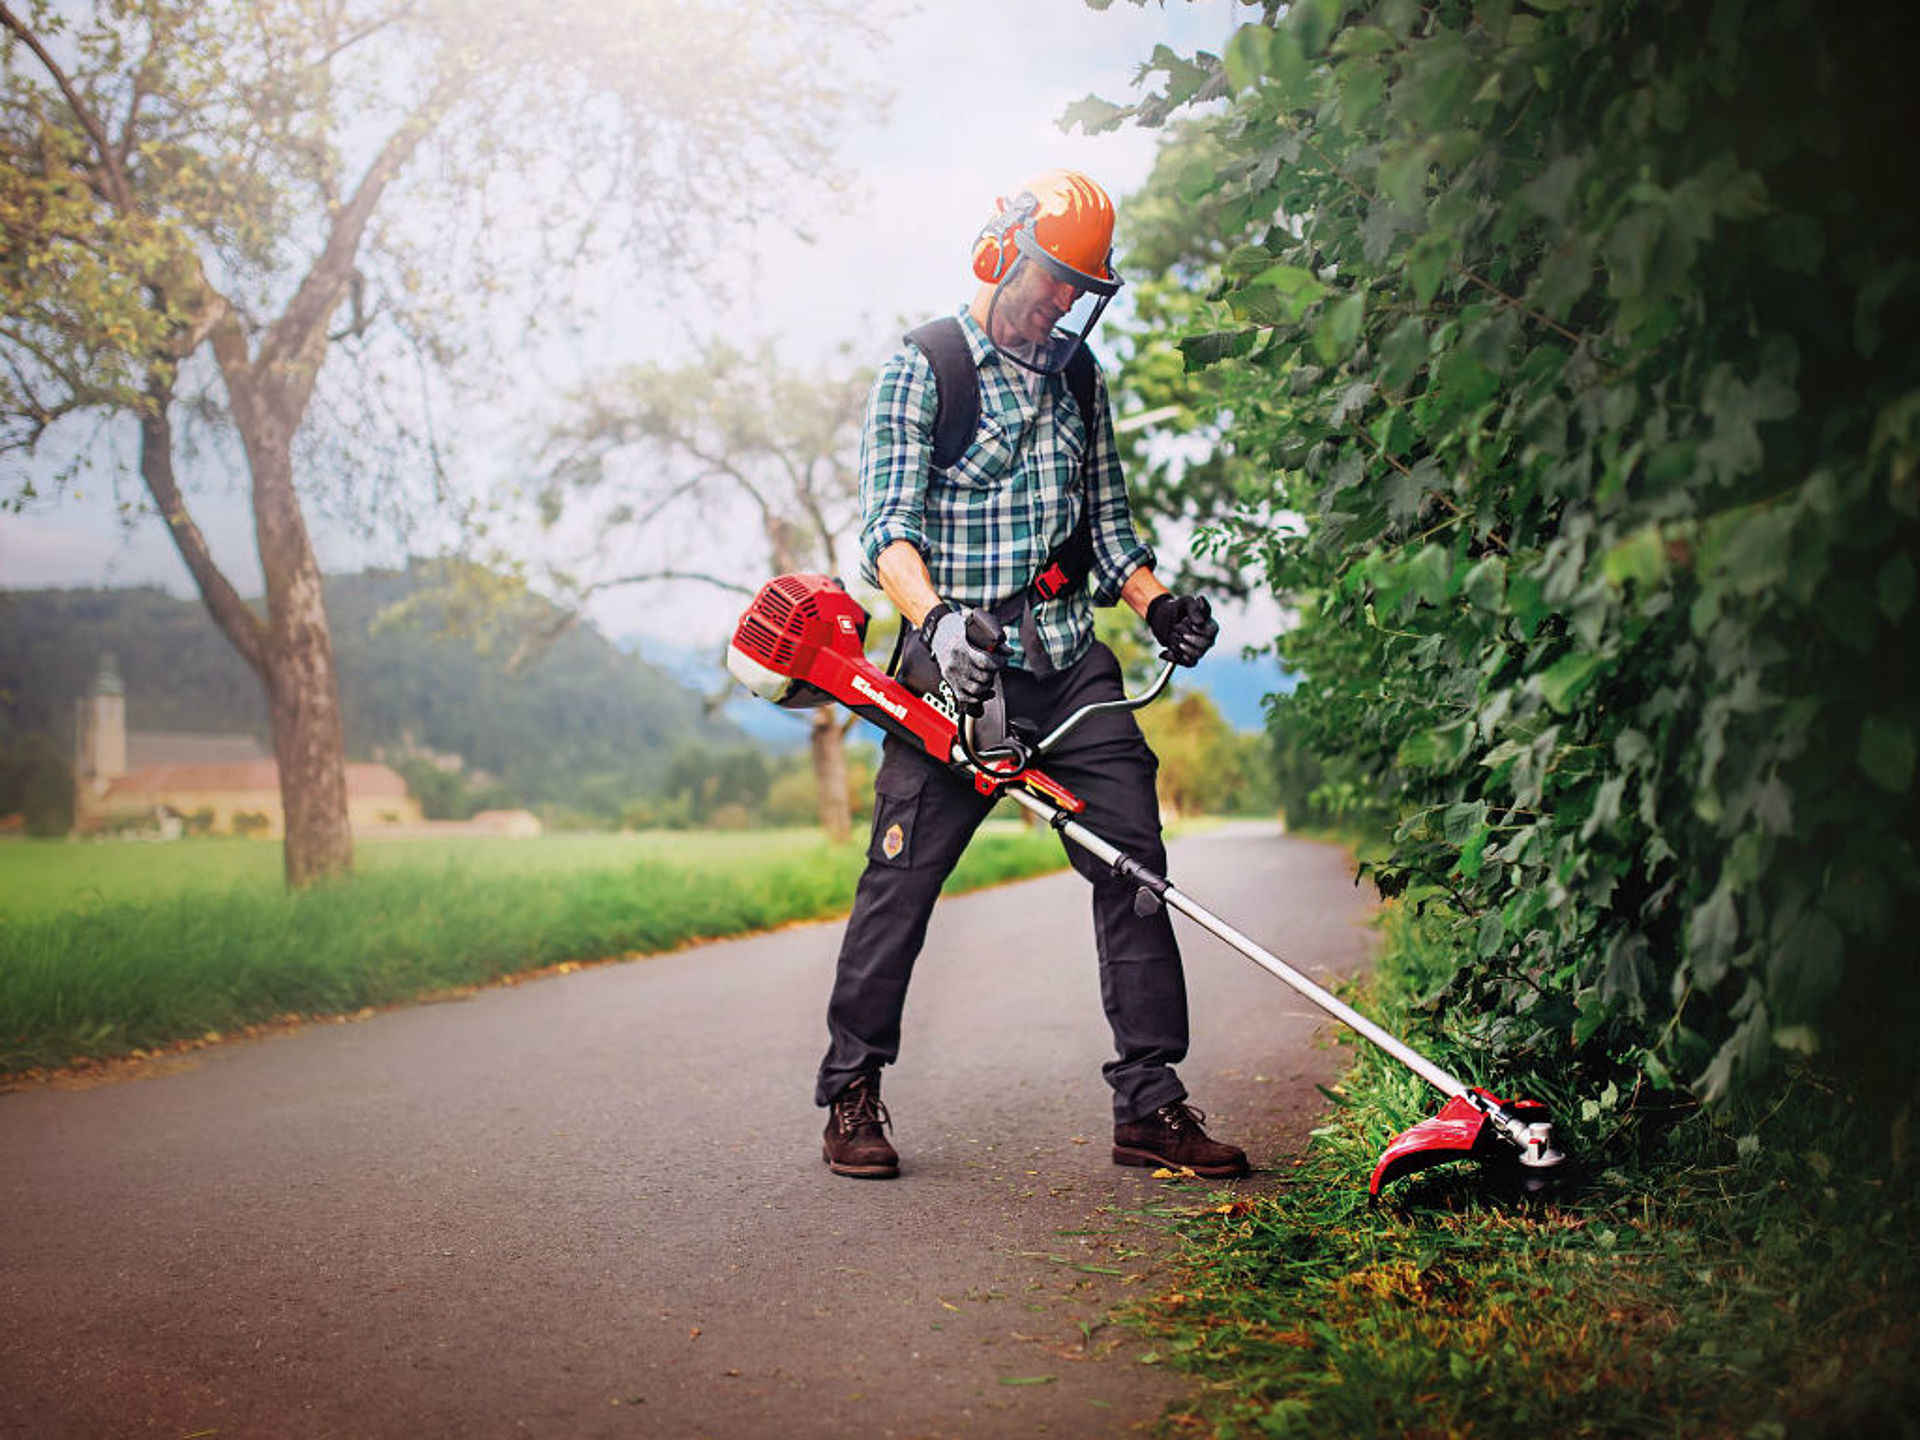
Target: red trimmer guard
[(1460, 1129)]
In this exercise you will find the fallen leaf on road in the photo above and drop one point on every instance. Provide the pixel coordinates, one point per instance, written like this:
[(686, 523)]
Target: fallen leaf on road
[(1026, 1379)]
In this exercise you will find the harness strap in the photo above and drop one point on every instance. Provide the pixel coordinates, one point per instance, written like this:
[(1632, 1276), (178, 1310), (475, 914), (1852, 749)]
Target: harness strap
[(956, 418)]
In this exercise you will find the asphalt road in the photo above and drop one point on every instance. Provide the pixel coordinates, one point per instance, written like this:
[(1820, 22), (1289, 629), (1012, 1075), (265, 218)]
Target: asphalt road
[(594, 1205)]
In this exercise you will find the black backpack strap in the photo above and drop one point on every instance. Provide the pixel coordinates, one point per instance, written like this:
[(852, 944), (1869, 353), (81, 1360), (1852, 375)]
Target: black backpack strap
[(1080, 377), (1073, 561), (956, 383)]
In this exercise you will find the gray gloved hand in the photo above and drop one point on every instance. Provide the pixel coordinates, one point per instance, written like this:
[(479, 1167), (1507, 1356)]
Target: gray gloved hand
[(1184, 626), (968, 670)]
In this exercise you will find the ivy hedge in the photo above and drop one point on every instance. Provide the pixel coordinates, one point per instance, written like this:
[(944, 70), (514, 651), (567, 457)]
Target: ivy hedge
[(1581, 337)]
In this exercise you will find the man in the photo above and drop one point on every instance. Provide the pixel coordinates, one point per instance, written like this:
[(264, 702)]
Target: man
[(994, 523)]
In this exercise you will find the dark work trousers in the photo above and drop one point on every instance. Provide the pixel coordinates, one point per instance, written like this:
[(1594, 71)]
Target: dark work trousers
[(923, 816)]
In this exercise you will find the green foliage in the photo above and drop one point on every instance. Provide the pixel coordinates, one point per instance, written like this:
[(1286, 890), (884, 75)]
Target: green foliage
[(1206, 766), (1571, 331), (36, 783)]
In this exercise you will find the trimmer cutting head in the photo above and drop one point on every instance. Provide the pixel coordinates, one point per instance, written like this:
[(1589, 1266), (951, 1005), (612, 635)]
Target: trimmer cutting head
[(1479, 1124)]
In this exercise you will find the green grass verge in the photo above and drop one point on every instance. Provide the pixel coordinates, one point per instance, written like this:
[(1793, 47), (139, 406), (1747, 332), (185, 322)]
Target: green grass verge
[(42, 877), (101, 976), (1749, 1276)]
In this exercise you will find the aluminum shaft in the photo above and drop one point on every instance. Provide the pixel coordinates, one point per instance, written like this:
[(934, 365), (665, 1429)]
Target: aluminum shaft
[(1171, 895)]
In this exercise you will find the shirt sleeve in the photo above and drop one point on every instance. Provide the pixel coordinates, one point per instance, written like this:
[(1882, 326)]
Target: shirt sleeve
[(896, 454), (1118, 549)]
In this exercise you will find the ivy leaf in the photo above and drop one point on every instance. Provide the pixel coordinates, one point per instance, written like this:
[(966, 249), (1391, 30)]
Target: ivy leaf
[(1339, 328), (1293, 281), (1894, 588), (1442, 747), (1429, 573), (1427, 265), (1462, 821), (1627, 977), (1211, 347), (1565, 275), (1549, 193), (1567, 677), (1804, 968), (1093, 115), (1403, 176), (1711, 936), (1773, 807), (1795, 243), (1245, 57), (1485, 585), (1886, 753), (1402, 354), (1641, 558), (1491, 935)]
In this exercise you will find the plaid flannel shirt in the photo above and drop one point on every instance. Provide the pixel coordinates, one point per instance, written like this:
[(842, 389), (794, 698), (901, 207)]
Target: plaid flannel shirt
[(986, 526)]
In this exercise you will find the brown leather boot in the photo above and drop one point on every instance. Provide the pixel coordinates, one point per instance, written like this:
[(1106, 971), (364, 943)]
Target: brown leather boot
[(856, 1142), (1172, 1137)]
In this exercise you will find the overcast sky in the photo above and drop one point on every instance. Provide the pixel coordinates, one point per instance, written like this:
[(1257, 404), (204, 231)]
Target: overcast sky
[(979, 84)]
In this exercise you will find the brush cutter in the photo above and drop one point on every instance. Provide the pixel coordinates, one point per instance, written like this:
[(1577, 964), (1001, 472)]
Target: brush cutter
[(800, 644)]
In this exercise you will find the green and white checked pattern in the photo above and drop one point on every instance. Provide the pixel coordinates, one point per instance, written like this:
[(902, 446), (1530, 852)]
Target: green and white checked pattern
[(986, 526)]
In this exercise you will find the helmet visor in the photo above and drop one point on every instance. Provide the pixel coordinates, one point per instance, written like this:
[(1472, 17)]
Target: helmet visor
[(1038, 318)]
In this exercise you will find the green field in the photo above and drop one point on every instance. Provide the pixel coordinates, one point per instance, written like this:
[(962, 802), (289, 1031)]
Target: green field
[(110, 948), (41, 877)]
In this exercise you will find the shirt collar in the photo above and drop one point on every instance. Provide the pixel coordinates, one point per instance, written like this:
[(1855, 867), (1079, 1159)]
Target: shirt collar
[(977, 340), (1014, 395)]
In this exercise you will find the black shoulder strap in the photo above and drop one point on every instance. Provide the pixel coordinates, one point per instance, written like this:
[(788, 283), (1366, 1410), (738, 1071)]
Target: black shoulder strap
[(1080, 382), (1075, 556), (956, 383)]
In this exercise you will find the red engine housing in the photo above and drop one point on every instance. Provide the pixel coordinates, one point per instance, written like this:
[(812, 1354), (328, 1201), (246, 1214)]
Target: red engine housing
[(799, 644)]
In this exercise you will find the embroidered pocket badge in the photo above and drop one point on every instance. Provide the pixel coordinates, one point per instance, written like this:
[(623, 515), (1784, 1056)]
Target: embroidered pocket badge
[(893, 842)]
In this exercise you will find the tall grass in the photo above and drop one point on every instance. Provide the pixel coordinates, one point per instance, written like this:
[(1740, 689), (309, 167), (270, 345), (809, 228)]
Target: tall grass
[(118, 975)]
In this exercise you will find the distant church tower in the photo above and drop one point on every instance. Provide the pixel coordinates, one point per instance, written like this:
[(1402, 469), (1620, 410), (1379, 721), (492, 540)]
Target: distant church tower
[(99, 736)]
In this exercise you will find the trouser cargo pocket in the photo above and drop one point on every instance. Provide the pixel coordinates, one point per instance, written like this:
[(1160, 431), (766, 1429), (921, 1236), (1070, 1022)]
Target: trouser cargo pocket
[(897, 790)]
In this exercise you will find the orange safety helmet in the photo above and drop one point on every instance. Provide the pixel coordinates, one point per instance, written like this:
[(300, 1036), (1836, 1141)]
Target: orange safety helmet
[(1062, 222)]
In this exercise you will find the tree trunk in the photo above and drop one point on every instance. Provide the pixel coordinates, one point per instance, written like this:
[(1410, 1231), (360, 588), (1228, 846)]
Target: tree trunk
[(303, 691), (830, 774), (309, 739)]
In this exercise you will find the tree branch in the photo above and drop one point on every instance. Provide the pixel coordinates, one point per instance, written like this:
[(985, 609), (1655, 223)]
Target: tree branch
[(292, 347), (243, 628), (644, 576), (121, 191)]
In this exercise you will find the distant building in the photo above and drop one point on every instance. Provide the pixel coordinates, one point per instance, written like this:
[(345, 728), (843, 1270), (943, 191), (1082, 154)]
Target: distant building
[(230, 781)]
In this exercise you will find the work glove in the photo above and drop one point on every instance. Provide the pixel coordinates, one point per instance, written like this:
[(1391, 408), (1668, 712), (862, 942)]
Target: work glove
[(968, 660), (1184, 626)]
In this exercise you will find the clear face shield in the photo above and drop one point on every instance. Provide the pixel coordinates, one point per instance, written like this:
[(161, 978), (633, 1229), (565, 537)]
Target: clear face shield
[(1044, 309)]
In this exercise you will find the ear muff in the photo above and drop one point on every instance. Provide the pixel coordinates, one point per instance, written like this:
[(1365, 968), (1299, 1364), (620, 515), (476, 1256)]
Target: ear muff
[(989, 259), (992, 254)]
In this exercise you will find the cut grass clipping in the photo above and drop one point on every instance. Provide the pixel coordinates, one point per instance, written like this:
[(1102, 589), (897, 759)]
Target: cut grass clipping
[(1748, 1276), (112, 976)]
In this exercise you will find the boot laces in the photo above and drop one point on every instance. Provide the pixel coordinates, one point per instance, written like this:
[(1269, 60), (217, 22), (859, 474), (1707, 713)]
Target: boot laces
[(1180, 1115), (860, 1104)]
